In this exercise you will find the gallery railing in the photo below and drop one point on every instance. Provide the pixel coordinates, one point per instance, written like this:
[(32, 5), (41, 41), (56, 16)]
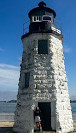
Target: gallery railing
[(57, 24)]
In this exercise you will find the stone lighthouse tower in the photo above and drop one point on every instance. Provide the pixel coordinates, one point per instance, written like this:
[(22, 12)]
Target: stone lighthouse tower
[(43, 79)]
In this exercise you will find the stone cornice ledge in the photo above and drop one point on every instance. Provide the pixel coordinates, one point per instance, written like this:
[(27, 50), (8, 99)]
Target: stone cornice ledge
[(51, 31)]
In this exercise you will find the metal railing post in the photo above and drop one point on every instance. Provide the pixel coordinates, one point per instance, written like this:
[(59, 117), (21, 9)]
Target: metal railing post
[(58, 25), (24, 28)]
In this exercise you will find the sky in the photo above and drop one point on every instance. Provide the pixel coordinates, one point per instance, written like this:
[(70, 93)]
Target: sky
[(13, 13)]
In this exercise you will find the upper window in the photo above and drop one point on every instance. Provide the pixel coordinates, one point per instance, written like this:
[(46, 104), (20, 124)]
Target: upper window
[(27, 77), (46, 18), (42, 46), (36, 18)]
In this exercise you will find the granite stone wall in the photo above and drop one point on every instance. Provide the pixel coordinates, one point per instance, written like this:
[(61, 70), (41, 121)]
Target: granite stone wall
[(47, 83)]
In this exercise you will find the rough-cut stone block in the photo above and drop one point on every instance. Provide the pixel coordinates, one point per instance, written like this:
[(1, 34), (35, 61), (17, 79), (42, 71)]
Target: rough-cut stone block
[(47, 83)]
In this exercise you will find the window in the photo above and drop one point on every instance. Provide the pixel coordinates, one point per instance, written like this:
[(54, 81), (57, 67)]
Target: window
[(36, 18), (42, 46), (27, 76), (46, 18)]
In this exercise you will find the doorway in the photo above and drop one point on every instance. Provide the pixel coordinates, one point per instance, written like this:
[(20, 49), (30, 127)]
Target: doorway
[(45, 108)]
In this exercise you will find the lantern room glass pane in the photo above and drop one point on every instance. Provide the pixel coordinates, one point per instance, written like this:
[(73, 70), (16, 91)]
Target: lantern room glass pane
[(42, 46)]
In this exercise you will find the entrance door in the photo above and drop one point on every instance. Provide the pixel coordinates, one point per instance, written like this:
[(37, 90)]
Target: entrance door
[(45, 115)]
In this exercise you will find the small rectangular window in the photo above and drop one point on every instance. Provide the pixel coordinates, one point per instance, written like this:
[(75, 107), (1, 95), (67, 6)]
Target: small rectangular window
[(27, 77), (46, 18), (42, 46)]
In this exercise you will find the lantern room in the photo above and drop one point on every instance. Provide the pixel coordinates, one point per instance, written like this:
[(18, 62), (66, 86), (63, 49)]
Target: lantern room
[(41, 18)]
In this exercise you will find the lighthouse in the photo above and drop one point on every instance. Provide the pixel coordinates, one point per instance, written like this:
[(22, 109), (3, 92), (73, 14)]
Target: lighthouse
[(43, 80)]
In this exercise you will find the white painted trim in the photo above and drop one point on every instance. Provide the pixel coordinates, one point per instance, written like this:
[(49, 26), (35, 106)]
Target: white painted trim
[(36, 19)]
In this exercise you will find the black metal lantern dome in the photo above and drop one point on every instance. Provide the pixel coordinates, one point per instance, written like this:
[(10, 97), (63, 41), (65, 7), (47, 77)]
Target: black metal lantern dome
[(42, 7), (41, 18)]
